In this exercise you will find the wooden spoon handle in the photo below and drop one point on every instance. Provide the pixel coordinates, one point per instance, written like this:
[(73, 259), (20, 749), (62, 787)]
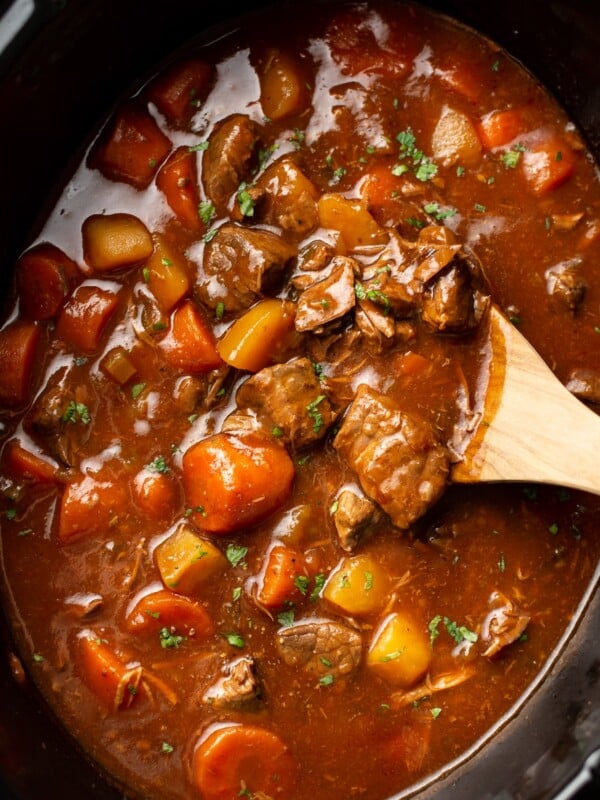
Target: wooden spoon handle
[(531, 427)]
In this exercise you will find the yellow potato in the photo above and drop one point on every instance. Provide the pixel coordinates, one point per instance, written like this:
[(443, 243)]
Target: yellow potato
[(114, 241), (455, 139), (186, 561), (399, 651), (358, 585), (167, 275), (352, 219), (250, 342), (282, 86)]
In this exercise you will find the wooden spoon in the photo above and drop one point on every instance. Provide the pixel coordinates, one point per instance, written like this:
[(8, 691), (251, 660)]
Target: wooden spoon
[(531, 428)]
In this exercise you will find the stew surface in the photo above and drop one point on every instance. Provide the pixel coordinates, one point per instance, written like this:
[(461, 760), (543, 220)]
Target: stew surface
[(240, 359)]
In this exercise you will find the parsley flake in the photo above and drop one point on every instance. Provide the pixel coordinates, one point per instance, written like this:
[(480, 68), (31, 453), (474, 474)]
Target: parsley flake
[(166, 748), (76, 412), (206, 212), (236, 553), (245, 200), (235, 640), (159, 465), (315, 414), (170, 640), (326, 680), (286, 618)]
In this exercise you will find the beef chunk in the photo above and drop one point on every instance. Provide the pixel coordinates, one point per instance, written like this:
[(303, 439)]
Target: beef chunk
[(398, 460), (585, 384), (321, 647), (328, 299), (377, 327), (450, 303), (290, 398), (353, 515), (315, 256), (503, 625), (565, 284), (226, 161), (288, 198), (237, 688), (61, 418), (241, 263)]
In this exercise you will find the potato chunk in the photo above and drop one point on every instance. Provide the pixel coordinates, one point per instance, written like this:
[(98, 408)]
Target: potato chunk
[(358, 586), (399, 651), (114, 241), (186, 561), (455, 139)]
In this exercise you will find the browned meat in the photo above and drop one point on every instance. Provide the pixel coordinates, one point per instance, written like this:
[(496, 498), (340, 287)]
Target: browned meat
[(565, 284), (327, 299), (398, 460), (585, 384), (503, 625), (241, 263), (288, 198), (62, 420), (238, 687), (288, 399), (226, 161), (450, 303), (315, 256), (320, 646), (377, 327), (353, 515)]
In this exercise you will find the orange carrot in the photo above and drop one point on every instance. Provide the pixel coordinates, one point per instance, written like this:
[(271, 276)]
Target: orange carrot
[(89, 506), (164, 609), (235, 480), (500, 128), (18, 346), (24, 464), (112, 681), (242, 759), (45, 276), (178, 181), (131, 148), (190, 344), (381, 189), (179, 90), (548, 165), (156, 493), (84, 317), (279, 581)]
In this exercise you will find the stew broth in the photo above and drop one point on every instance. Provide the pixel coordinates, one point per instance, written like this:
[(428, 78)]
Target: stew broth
[(243, 349)]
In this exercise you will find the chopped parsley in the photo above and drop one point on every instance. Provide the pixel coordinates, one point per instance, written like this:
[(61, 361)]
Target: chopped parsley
[(245, 201), (210, 235), (235, 640), (314, 413), (553, 529), (433, 628), (25, 532), (316, 590), (415, 223), (265, 154), (159, 465), (236, 553), (206, 212), (166, 262), (220, 310), (11, 513), (501, 563), (423, 167), (392, 656), (77, 412), (237, 593), (166, 748), (198, 148), (459, 633), (435, 712), (399, 169), (437, 212), (276, 432), (479, 207), (153, 614), (38, 658), (298, 138), (334, 507), (368, 581), (301, 582), (338, 174), (137, 389), (460, 171), (146, 275), (170, 640), (511, 158), (326, 680), (286, 618)]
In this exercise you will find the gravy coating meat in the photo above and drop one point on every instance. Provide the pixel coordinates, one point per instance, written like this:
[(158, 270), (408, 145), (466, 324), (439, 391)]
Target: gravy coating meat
[(236, 363)]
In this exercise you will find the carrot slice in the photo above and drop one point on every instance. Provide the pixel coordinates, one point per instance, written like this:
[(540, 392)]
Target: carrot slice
[(156, 493), (548, 165), (164, 609), (279, 580), (235, 479), (242, 759), (178, 181), (18, 346), (85, 315), (26, 465), (179, 90), (45, 276), (500, 128), (131, 148), (381, 189), (113, 682), (190, 344), (89, 506)]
